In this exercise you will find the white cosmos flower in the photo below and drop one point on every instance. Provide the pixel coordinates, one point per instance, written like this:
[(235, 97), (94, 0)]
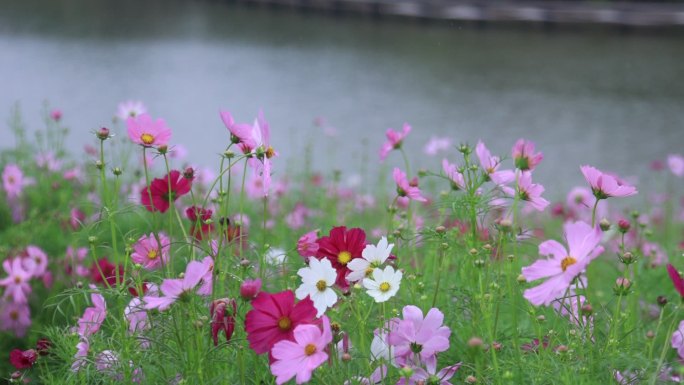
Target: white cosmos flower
[(371, 257), (384, 285), (275, 256), (317, 282)]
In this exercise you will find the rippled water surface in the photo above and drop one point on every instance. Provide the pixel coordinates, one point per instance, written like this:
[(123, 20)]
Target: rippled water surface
[(600, 97)]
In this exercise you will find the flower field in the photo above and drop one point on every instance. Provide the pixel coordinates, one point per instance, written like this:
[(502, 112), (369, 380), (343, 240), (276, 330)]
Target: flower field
[(123, 263)]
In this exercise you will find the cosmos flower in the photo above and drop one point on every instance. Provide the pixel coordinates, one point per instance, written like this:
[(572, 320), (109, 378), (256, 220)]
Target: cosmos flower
[(564, 265), (406, 188), (162, 191), (317, 281), (394, 140), (300, 357), (605, 185), (342, 246), (372, 256), (524, 156), (151, 252), (415, 336), (384, 284), (144, 131)]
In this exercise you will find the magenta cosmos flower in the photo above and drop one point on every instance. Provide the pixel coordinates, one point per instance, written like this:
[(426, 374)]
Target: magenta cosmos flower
[(151, 253), (524, 156), (677, 280), (490, 165), (299, 358), (13, 181), (394, 140), (161, 195), (341, 247), (406, 188), (274, 317), (148, 133), (416, 337), (605, 185), (564, 264), (93, 316)]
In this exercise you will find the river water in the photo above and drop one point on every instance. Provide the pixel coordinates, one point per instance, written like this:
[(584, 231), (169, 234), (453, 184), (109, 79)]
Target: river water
[(599, 97)]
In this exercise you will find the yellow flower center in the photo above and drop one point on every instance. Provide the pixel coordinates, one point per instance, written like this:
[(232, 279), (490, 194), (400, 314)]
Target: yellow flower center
[(284, 323), (147, 139), (17, 279), (369, 271), (270, 152), (14, 315), (321, 285), (10, 179), (344, 257), (567, 261), (152, 254), (310, 349), (384, 287)]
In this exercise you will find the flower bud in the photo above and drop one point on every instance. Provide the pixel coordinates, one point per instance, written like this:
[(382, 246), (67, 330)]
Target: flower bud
[(471, 380), (604, 224), (102, 133), (346, 357), (99, 165), (587, 309), (440, 229), (249, 289), (623, 225), (475, 342), (189, 173), (650, 335), (622, 286), (521, 279), (117, 171), (163, 149), (627, 258), (661, 300), (406, 371)]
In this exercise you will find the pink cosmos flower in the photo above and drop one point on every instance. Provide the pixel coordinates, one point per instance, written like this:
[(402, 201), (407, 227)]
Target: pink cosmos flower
[(451, 172), (564, 265), (93, 317), (144, 131), (240, 133), (430, 375), (678, 340), (207, 281), (150, 253), (13, 181), (376, 377), (307, 245), (394, 140), (274, 317), (49, 161), (15, 317), (490, 165), (173, 289), (528, 191), (35, 261), (56, 115), (437, 144), (605, 185), (82, 349), (406, 188), (299, 358), (676, 164), (524, 156), (250, 288), (136, 315), (416, 339), (16, 283), (130, 109)]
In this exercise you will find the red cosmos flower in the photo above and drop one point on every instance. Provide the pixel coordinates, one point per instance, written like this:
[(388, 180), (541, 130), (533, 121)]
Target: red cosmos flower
[(222, 318), (676, 279), (274, 318), (340, 247), (23, 359), (199, 215), (161, 195), (105, 270)]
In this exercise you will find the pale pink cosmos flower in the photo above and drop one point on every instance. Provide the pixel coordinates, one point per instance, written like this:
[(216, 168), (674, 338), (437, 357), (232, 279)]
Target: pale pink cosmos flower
[(528, 191), (35, 261), (454, 176), (150, 252), (130, 109), (172, 289), (74, 174), (394, 140), (307, 245), (15, 317), (146, 132), (74, 261), (430, 375), (136, 315), (93, 316), (605, 185), (564, 265), (490, 165), (676, 164), (299, 358), (524, 156), (49, 161), (241, 133), (82, 349), (16, 283), (376, 377), (416, 339), (406, 188), (678, 340), (13, 181), (207, 279), (436, 145)]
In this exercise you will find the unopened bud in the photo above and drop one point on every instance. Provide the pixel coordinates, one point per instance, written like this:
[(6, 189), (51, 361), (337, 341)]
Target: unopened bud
[(99, 165), (163, 149), (650, 335), (15, 375), (189, 173), (561, 349), (475, 342), (604, 224), (627, 258), (623, 225), (440, 229), (661, 300), (622, 286), (117, 171), (587, 309), (244, 263), (471, 380), (346, 357), (473, 251), (406, 371), (541, 318), (102, 133), (92, 239), (479, 262), (521, 279)]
